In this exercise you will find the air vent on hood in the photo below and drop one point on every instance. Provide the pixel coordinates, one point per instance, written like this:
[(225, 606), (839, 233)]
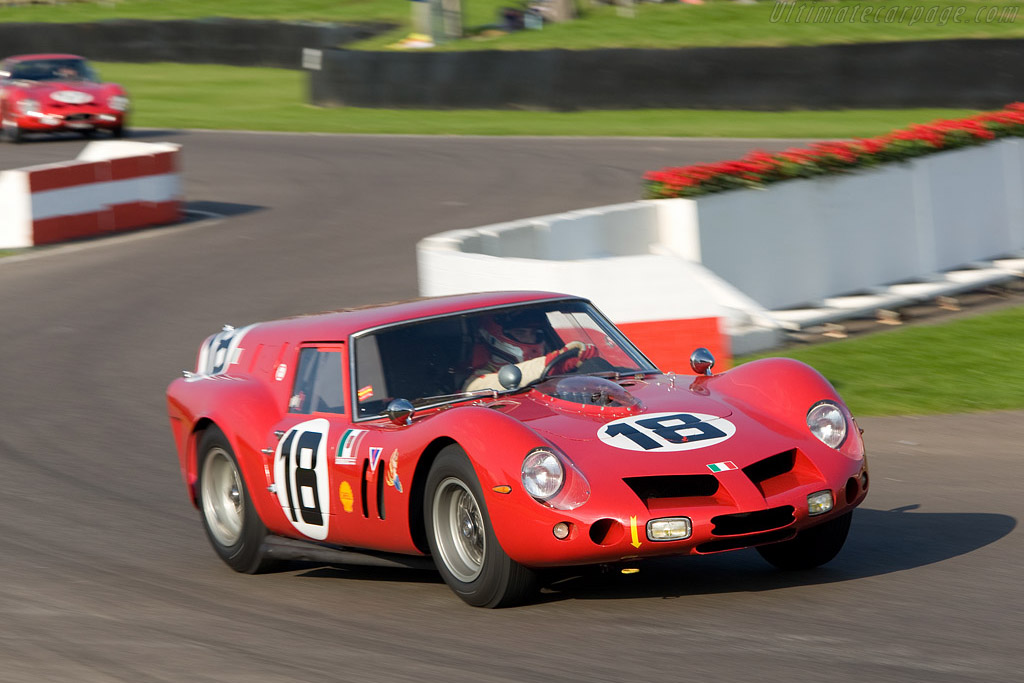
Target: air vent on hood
[(771, 467), (672, 486)]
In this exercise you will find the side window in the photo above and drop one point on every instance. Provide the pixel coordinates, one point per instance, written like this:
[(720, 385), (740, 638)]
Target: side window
[(319, 386), (371, 390)]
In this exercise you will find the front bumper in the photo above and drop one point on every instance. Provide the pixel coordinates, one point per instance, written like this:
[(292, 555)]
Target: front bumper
[(738, 513), (78, 120)]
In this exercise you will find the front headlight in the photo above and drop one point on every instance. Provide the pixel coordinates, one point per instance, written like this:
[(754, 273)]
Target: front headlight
[(118, 103), (28, 106), (552, 479), (543, 474), (827, 422)]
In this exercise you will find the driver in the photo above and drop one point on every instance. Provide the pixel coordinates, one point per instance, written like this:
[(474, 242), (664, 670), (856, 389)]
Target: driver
[(66, 72), (520, 338)]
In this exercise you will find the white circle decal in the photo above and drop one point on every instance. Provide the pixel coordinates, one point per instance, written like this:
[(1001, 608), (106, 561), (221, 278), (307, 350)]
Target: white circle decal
[(666, 432), (71, 97)]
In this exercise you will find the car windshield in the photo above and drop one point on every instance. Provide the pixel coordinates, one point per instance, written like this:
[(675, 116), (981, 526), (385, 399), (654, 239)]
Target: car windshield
[(452, 357), (63, 69)]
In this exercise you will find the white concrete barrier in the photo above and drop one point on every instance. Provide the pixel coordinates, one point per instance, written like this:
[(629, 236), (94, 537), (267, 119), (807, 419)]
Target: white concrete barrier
[(758, 258), (800, 242), (113, 185)]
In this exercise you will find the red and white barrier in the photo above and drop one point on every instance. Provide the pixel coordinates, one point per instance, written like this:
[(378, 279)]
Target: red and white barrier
[(113, 186)]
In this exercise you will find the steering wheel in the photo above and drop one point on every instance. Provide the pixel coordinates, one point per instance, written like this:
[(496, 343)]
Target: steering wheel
[(565, 353)]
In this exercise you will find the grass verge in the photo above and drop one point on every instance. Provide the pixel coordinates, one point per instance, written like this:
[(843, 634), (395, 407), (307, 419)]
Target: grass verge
[(649, 24), (967, 365), (224, 97)]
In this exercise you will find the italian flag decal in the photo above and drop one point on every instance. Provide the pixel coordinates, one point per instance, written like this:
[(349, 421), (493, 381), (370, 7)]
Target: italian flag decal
[(722, 466)]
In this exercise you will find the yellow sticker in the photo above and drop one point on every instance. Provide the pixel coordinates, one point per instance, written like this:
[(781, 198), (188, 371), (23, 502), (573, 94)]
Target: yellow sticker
[(391, 476), (345, 495)]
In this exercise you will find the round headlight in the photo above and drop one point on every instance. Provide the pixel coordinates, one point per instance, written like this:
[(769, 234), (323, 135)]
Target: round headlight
[(828, 423), (28, 106), (118, 103), (543, 474)]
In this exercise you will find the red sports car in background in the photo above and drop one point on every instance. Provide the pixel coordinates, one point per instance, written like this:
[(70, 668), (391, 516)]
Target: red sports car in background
[(55, 92), (500, 434)]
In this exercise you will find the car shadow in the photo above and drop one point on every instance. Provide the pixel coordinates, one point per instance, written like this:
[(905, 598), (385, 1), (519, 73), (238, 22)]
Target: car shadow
[(203, 210), (880, 542)]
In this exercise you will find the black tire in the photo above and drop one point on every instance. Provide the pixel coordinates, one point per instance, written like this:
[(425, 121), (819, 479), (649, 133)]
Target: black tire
[(229, 518), (812, 547), (12, 134), (470, 560), (118, 132)]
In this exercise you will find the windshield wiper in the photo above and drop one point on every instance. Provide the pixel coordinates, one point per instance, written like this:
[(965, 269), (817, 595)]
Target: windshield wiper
[(430, 401)]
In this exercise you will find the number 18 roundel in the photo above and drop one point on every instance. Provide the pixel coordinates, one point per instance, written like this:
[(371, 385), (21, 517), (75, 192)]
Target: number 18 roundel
[(666, 432), (302, 479)]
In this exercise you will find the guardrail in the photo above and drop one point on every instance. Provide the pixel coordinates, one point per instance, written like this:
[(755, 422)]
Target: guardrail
[(113, 186)]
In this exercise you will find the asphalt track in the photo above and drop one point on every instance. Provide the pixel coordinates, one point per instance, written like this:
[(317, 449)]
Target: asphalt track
[(105, 574)]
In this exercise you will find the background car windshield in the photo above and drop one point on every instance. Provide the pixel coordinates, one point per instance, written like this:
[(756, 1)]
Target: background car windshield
[(428, 360), (53, 70)]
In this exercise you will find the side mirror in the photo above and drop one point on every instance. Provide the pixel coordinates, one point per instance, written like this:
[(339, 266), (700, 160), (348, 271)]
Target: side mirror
[(509, 376), (701, 361), (400, 411)]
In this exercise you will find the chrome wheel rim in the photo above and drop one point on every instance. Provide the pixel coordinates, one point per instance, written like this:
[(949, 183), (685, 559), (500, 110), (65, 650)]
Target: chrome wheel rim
[(459, 529), (223, 503)]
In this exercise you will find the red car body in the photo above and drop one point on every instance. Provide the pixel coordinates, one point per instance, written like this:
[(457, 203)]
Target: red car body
[(45, 93), (731, 453)]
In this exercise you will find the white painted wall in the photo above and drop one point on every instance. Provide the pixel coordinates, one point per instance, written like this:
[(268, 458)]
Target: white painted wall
[(15, 210)]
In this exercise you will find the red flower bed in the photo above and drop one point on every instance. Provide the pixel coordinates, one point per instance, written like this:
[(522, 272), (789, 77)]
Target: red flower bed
[(758, 168)]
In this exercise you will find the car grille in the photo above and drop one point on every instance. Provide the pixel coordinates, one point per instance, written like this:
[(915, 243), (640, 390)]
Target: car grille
[(672, 486), (752, 522), (745, 541)]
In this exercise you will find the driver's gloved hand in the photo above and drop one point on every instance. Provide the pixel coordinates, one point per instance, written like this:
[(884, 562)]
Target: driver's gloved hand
[(580, 352)]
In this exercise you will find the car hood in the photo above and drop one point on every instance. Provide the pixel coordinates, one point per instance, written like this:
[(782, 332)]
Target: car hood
[(65, 92), (675, 426)]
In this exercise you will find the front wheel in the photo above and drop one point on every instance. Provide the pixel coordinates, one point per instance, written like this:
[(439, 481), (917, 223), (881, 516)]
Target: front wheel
[(462, 540), (229, 517), (12, 132), (811, 547)]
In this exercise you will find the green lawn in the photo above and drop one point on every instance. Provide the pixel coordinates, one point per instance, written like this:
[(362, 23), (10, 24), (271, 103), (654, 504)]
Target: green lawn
[(668, 24), (967, 365), (224, 97)]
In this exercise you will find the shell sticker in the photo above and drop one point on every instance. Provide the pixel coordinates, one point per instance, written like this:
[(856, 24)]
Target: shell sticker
[(666, 432), (345, 496)]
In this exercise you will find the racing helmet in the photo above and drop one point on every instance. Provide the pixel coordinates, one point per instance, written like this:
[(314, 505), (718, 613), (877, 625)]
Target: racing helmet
[(515, 337)]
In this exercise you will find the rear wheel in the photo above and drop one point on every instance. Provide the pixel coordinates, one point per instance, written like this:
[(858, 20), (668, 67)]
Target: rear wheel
[(229, 518), (462, 540), (812, 547)]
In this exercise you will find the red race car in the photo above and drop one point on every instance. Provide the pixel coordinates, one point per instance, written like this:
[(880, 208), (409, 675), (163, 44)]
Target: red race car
[(54, 92), (500, 434)]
